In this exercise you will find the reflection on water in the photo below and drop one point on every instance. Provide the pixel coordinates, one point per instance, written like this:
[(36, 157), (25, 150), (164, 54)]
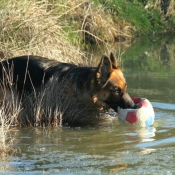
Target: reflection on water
[(167, 106), (111, 147), (149, 67)]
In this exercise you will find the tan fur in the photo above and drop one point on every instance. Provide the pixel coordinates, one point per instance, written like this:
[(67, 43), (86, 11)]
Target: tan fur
[(117, 77)]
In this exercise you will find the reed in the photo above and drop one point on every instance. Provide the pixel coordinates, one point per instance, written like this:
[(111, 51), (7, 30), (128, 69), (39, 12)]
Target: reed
[(9, 111)]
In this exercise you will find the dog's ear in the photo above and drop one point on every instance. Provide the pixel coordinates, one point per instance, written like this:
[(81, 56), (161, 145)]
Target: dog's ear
[(103, 70), (113, 60)]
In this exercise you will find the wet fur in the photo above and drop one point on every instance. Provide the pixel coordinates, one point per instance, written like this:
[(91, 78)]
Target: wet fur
[(53, 93)]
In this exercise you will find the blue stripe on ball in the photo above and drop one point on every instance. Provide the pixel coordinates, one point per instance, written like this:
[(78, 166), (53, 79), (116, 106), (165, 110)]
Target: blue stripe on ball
[(149, 121)]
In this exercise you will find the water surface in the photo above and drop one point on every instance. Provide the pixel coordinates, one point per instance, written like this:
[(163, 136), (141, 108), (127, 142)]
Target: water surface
[(111, 147)]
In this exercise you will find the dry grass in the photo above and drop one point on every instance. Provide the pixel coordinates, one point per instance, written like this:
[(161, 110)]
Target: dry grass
[(9, 111), (31, 27), (171, 9), (6, 141), (167, 8), (42, 28), (96, 25)]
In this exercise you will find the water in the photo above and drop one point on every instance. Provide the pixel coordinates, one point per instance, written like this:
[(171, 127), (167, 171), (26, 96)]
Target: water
[(111, 147)]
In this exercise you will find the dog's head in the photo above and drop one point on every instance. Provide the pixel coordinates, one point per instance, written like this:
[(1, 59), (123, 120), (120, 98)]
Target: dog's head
[(111, 84)]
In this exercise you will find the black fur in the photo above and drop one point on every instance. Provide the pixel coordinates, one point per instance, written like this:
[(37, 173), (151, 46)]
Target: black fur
[(31, 72), (79, 92)]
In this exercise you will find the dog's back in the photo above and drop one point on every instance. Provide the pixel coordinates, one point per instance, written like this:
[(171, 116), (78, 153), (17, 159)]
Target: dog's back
[(30, 72), (76, 93), (23, 72)]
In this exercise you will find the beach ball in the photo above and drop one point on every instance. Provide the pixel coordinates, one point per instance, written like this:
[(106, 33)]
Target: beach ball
[(142, 116)]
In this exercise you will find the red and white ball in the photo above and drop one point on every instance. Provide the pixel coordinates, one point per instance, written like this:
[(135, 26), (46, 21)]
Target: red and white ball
[(142, 116)]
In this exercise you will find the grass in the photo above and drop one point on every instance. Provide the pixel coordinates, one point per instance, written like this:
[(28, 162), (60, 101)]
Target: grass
[(141, 20), (31, 27), (96, 25), (9, 111), (51, 28), (56, 29)]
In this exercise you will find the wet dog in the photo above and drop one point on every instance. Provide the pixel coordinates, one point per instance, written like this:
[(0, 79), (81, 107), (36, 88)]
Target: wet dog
[(66, 93)]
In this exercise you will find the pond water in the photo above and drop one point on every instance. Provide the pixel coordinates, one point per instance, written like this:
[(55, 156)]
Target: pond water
[(111, 147)]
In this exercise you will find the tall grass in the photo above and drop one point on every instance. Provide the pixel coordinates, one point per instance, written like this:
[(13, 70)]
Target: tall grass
[(48, 27), (9, 111), (33, 27)]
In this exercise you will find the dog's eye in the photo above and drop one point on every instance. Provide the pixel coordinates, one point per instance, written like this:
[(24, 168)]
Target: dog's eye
[(116, 90)]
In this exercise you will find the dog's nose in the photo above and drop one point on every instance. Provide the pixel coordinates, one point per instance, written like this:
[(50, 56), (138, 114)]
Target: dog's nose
[(134, 106)]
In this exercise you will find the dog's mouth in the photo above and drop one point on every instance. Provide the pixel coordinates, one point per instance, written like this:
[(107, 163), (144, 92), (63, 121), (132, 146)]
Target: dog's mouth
[(114, 107), (117, 107), (122, 104)]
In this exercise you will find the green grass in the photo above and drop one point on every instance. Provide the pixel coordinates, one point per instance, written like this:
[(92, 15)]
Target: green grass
[(141, 20)]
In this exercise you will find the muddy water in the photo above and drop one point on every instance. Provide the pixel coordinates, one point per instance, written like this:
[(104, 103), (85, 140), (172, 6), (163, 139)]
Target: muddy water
[(111, 147)]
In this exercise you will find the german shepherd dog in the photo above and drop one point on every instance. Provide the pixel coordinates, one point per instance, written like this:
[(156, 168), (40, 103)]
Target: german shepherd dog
[(66, 93)]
